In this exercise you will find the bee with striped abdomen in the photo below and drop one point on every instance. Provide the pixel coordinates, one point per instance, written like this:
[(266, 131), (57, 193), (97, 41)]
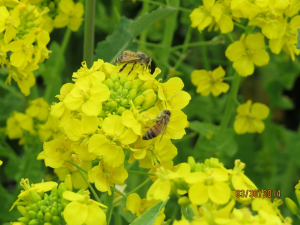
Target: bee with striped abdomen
[(162, 120), (134, 58)]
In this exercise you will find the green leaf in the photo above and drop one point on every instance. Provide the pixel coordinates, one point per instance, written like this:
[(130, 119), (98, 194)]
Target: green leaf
[(141, 23), (298, 39), (149, 217), (116, 43)]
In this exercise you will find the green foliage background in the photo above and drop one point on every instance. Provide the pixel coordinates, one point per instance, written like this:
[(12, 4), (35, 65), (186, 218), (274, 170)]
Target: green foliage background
[(162, 30)]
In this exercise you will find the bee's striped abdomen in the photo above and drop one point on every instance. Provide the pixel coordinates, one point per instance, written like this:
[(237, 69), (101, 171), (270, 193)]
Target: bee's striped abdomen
[(119, 59), (153, 132)]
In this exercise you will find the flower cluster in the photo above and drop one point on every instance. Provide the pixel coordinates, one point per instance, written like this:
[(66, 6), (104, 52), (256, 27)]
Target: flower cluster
[(35, 121), (24, 35), (276, 19), (103, 116), (207, 191), (59, 207)]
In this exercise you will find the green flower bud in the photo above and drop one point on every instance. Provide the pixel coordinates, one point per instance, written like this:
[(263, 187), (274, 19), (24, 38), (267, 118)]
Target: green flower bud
[(34, 207), (35, 196), (148, 92), (47, 223), (112, 105), (56, 220), (80, 191), (54, 192), (54, 211), (46, 196), (125, 92), (191, 161), (61, 189), (124, 102), (138, 100), (68, 179), (24, 220), (123, 79), (120, 110), (114, 77), (28, 208), (41, 203), (40, 216), (132, 94), (184, 201), (149, 101), (43, 208), (33, 222), (147, 85), (47, 209), (48, 217), (127, 85), (136, 84), (22, 210), (109, 83), (298, 195), (119, 91), (291, 206), (59, 210), (198, 167), (32, 214), (116, 86)]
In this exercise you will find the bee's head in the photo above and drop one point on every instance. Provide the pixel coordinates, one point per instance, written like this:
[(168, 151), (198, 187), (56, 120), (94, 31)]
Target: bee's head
[(168, 112), (148, 61)]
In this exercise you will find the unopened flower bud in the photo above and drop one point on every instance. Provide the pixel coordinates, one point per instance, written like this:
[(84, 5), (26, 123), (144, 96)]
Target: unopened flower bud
[(291, 206), (61, 189), (68, 179), (113, 105), (40, 216), (24, 220), (198, 167), (132, 94), (35, 196), (109, 83), (184, 201), (298, 195), (149, 101), (120, 110), (54, 191), (33, 222), (32, 214), (56, 220), (191, 161), (116, 86), (124, 102), (136, 84), (138, 100), (22, 210), (53, 211), (123, 79), (114, 77), (48, 217), (127, 85), (147, 85), (125, 92), (34, 207)]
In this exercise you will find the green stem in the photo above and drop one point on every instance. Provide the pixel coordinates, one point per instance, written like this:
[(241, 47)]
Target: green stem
[(134, 190), (91, 187), (89, 32), (149, 44), (195, 44), (119, 192), (239, 25), (230, 104), (53, 87), (184, 49), (143, 36), (230, 37), (78, 167), (152, 2), (34, 93), (203, 51), (141, 173), (11, 89), (110, 206), (4, 71)]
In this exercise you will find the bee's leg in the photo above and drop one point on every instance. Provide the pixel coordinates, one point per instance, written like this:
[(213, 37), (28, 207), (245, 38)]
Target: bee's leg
[(132, 68), (143, 68), (123, 67), (154, 120)]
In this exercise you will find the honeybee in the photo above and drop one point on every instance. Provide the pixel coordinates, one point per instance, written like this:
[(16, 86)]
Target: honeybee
[(162, 120), (134, 58)]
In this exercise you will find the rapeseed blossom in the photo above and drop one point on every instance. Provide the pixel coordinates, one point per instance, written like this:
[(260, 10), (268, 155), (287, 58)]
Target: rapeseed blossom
[(249, 118), (210, 81)]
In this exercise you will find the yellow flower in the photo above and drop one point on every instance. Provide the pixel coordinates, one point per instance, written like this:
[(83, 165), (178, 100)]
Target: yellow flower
[(49, 130), (172, 93), (209, 185), (77, 180), (249, 118), (248, 52), (9, 21), (83, 210), (91, 75), (210, 81), (105, 176), (110, 145), (289, 40), (17, 124), (70, 15), (154, 152), (176, 127), (39, 109), (248, 9), (223, 16), (57, 151), (41, 51), (201, 17), (138, 206), (87, 97)]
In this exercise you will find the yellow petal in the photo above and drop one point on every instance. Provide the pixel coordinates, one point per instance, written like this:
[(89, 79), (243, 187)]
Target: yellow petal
[(76, 213), (259, 111), (235, 51), (241, 125), (244, 66), (198, 194), (112, 125), (255, 41), (261, 57), (219, 193)]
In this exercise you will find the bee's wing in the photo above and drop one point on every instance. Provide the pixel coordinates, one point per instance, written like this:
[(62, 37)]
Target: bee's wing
[(163, 132), (130, 59)]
